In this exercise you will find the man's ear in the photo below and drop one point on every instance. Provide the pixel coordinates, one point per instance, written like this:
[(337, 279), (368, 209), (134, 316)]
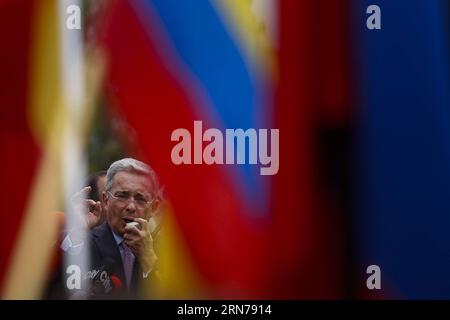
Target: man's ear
[(105, 199), (155, 206)]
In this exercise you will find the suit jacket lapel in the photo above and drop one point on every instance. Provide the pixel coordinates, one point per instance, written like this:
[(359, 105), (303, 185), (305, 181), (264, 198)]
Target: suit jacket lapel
[(137, 275), (105, 242), (108, 249)]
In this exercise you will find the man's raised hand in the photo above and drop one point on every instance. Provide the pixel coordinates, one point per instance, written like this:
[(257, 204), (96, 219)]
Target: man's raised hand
[(86, 209)]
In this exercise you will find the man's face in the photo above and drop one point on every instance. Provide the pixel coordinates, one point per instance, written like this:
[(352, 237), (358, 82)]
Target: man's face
[(119, 204)]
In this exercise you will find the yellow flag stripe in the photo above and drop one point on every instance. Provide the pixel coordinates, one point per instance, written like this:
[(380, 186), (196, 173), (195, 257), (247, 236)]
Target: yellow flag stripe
[(28, 269), (252, 34)]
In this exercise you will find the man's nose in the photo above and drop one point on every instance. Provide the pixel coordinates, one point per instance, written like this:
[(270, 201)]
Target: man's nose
[(131, 207)]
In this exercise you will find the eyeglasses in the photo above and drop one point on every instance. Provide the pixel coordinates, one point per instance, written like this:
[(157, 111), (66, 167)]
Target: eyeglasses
[(126, 198)]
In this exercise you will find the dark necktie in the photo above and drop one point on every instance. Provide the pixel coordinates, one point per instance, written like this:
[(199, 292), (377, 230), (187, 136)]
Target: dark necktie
[(128, 261)]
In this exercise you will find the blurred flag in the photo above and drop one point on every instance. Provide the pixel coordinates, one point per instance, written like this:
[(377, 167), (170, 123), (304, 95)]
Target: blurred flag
[(41, 148), (404, 170), (172, 63), (20, 151), (241, 235), (310, 253)]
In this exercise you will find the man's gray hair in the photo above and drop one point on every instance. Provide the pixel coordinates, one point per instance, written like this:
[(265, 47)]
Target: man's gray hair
[(136, 166)]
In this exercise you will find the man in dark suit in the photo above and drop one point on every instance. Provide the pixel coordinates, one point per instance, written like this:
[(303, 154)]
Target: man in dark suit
[(123, 244), (107, 250)]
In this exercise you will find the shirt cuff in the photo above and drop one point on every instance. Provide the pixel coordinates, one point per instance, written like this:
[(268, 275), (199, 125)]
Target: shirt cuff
[(68, 246)]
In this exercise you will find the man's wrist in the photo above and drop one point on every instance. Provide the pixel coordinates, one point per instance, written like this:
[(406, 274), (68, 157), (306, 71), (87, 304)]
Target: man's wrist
[(70, 246), (149, 265)]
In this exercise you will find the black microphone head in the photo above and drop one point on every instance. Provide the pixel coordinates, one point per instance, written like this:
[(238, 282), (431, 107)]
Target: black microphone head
[(109, 265), (101, 283), (117, 283)]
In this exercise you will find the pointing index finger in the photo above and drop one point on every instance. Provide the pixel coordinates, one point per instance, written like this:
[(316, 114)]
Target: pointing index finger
[(83, 193)]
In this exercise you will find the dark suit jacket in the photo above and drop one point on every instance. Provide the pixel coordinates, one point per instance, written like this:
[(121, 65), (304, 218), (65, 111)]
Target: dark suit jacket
[(104, 249), (105, 252)]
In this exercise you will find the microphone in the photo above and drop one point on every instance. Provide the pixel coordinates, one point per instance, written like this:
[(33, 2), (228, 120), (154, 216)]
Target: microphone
[(103, 282), (154, 226), (116, 282)]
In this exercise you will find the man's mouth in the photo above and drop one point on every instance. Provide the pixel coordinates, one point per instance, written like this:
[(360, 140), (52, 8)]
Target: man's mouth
[(127, 220)]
